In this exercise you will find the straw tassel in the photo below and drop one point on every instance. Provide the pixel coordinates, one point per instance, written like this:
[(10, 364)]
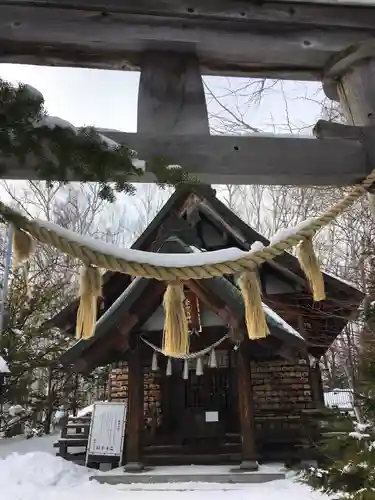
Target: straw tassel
[(23, 247), (185, 374), (169, 368), (154, 364), (199, 367), (310, 266), (90, 290), (212, 361), (254, 313), (176, 333)]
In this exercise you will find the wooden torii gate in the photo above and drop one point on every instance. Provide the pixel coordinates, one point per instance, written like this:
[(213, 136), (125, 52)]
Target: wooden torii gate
[(173, 42)]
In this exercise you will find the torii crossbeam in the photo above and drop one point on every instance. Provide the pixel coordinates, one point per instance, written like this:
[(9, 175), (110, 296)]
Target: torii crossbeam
[(174, 42)]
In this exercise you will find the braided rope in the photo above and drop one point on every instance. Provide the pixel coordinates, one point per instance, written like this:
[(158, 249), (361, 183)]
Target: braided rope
[(190, 355), (91, 256)]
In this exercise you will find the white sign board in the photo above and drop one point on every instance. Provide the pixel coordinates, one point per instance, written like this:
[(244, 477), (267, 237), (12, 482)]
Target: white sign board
[(107, 430), (212, 416)]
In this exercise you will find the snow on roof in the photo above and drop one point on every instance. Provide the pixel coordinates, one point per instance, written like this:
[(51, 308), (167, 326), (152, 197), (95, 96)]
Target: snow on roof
[(344, 281), (280, 322), (339, 398), (3, 366)]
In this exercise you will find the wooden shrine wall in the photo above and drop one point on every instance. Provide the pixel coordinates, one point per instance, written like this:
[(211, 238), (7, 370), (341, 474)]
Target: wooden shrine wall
[(281, 391), (118, 391), (282, 394)]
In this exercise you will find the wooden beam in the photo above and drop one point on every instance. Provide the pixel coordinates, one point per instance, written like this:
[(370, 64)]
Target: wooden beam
[(255, 159), (171, 96), (214, 303), (134, 428), (245, 38), (246, 410)]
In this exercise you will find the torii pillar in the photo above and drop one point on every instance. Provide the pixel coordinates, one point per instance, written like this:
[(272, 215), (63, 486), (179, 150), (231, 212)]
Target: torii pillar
[(350, 79)]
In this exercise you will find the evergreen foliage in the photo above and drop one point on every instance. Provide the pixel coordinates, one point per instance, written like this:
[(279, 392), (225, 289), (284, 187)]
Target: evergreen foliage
[(347, 468), (28, 344), (59, 151)]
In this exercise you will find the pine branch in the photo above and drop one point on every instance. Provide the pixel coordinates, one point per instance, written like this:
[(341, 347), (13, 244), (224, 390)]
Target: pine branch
[(60, 152)]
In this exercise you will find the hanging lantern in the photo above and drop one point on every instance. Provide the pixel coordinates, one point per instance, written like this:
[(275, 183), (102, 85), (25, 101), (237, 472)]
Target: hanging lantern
[(169, 368), (199, 367), (212, 361), (154, 365), (185, 374)]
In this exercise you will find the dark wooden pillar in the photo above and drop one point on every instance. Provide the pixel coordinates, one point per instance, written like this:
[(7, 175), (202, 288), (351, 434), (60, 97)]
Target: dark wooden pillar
[(246, 410), (316, 385), (135, 423)]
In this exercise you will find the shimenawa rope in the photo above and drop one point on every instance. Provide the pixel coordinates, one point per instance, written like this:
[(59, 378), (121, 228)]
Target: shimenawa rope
[(90, 256)]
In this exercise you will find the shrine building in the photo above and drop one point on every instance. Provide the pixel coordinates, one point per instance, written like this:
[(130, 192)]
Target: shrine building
[(231, 400)]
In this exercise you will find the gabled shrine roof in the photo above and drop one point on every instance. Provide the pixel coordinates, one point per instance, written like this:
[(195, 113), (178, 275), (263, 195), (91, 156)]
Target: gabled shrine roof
[(193, 204), (219, 287)]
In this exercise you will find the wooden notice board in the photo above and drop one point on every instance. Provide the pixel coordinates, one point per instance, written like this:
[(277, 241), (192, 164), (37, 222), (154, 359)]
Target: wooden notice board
[(107, 431)]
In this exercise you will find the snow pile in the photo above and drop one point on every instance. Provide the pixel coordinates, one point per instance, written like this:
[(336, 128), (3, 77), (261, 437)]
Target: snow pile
[(85, 412), (3, 366), (139, 164), (40, 476), (40, 470), (339, 398), (16, 410)]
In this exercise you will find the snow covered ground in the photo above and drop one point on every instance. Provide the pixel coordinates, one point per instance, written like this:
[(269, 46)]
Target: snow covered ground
[(30, 471)]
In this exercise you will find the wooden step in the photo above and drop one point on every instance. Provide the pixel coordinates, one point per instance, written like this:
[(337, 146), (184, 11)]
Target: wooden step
[(74, 425), (191, 459), (70, 442), (192, 449)]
